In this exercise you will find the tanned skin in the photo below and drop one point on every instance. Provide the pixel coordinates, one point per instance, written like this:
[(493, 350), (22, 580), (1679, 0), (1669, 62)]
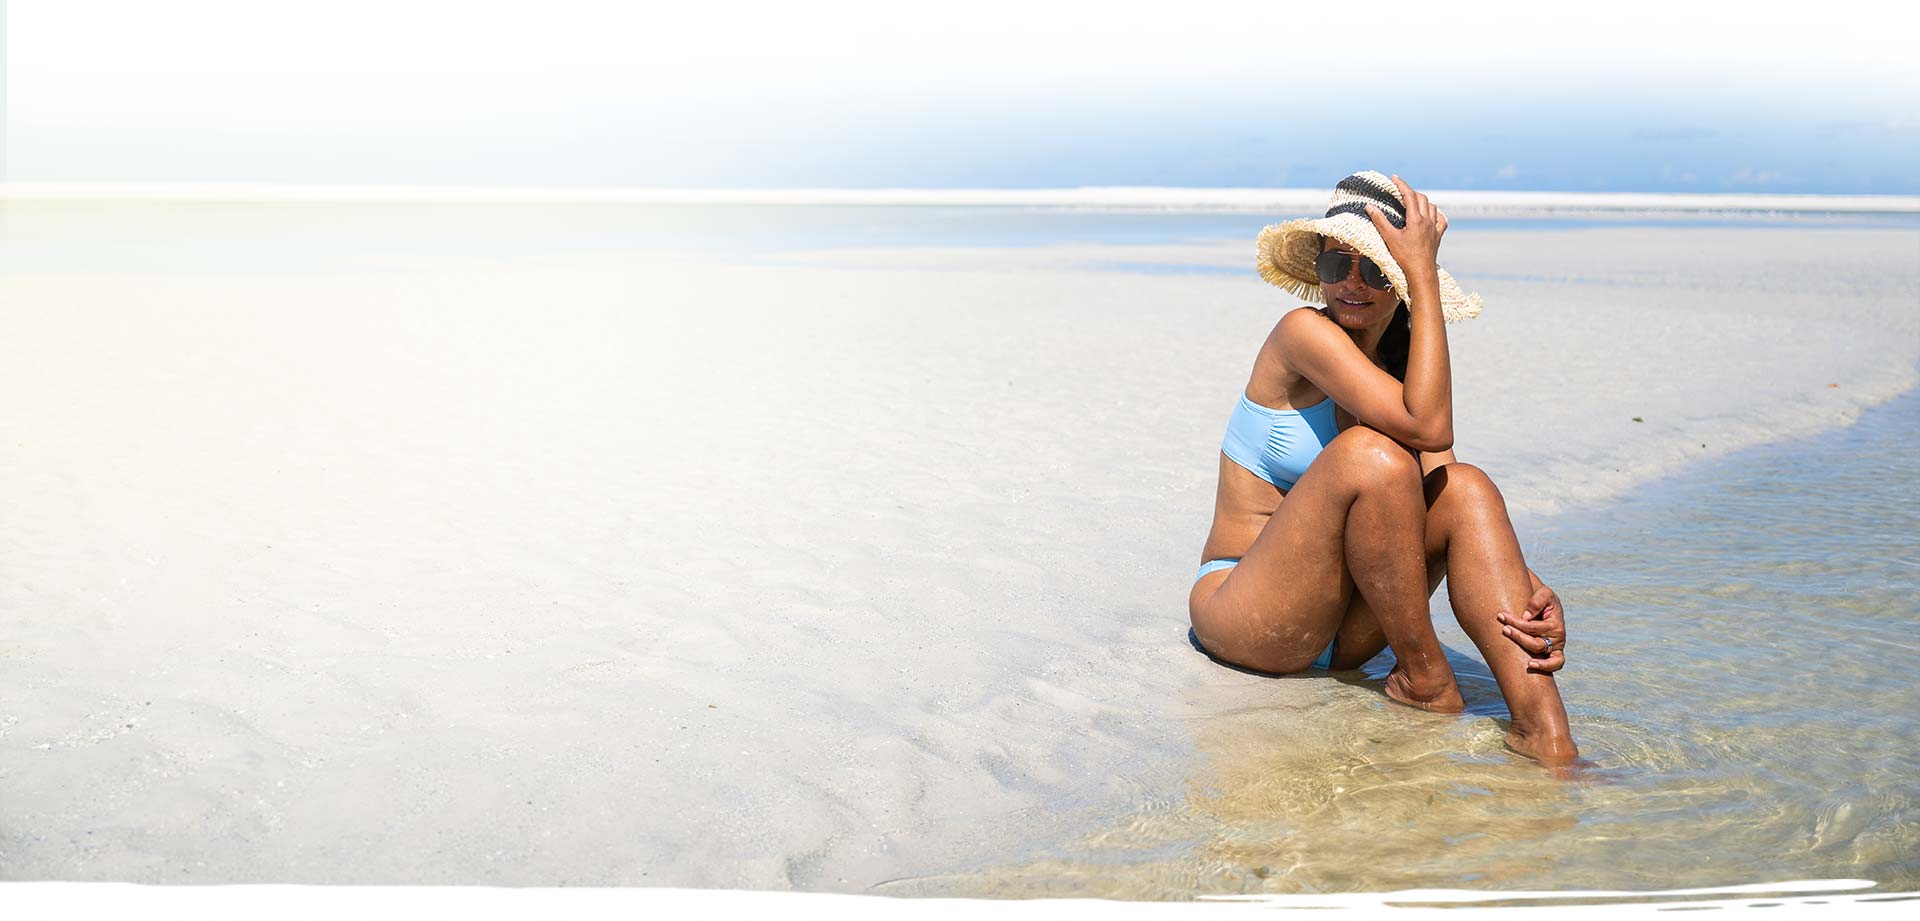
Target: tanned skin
[(1356, 548)]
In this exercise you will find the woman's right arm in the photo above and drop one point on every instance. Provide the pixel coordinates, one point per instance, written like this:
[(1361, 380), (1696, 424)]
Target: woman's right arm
[(1420, 412)]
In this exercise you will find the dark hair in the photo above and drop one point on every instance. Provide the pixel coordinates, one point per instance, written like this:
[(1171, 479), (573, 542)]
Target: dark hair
[(1395, 342)]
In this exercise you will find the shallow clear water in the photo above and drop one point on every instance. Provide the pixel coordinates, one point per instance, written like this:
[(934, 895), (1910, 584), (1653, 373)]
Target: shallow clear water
[(1741, 682)]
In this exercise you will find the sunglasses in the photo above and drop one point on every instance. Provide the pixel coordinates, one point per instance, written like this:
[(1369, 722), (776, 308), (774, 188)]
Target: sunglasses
[(1333, 265)]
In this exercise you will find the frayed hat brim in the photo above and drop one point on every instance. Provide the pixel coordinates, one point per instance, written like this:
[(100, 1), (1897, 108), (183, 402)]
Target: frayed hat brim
[(1284, 254)]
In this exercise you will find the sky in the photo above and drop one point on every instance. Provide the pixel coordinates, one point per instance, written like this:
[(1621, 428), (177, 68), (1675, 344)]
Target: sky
[(1627, 96)]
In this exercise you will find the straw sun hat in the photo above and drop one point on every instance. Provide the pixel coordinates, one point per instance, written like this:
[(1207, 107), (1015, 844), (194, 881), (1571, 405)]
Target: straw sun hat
[(1286, 251)]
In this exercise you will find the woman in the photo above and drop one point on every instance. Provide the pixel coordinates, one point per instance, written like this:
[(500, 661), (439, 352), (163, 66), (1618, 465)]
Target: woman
[(1341, 506)]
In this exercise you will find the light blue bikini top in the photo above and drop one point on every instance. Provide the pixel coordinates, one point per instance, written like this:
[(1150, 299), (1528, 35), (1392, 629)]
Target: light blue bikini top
[(1278, 444)]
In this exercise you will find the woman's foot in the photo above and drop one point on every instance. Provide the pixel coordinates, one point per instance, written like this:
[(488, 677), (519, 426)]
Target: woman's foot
[(1436, 696), (1549, 747)]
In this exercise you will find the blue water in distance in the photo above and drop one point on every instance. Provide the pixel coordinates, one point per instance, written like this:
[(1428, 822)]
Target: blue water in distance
[(271, 237)]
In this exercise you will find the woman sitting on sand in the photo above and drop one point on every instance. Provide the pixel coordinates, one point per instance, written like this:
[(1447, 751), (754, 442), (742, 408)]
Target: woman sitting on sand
[(1340, 504)]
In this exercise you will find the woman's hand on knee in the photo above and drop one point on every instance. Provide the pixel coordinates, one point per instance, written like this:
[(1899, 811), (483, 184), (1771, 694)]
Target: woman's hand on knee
[(1541, 630)]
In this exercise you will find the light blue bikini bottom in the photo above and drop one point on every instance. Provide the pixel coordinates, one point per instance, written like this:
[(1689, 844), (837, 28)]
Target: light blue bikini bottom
[(1323, 660)]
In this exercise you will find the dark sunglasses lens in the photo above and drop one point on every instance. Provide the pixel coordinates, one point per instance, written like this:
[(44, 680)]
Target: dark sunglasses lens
[(1331, 267), (1371, 274)]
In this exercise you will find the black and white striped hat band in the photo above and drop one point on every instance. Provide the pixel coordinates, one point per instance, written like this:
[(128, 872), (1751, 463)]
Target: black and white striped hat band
[(1285, 252), (1356, 192)]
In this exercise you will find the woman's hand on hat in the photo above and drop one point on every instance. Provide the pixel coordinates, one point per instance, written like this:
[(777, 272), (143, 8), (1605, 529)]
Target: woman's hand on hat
[(1417, 246)]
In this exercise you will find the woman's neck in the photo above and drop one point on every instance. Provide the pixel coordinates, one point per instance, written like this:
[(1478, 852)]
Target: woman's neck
[(1368, 340)]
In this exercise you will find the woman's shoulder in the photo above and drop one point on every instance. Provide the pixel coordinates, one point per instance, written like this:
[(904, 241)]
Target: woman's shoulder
[(1306, 344), (1300, 323), (1299, 318), (1274, 378)]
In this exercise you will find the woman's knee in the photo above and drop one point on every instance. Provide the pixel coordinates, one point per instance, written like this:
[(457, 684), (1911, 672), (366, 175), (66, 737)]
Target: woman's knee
[(1464, 486), (1373, 460)]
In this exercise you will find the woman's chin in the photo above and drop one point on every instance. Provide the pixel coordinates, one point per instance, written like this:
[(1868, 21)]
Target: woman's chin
[(1351, 317)]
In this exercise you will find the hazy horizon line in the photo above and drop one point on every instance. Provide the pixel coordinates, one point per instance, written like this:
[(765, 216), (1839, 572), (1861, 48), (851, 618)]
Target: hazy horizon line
[(1169, 198)]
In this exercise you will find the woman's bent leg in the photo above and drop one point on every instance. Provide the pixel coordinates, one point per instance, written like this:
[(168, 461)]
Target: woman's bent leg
[(1360, 638), (1467, 524), (1355, 520)]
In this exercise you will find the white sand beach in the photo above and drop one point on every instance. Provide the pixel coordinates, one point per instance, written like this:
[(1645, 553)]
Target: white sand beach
[(810, 569)]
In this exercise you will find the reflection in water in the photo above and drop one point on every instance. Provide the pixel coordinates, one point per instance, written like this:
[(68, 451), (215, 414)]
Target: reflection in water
[(1742, 693)]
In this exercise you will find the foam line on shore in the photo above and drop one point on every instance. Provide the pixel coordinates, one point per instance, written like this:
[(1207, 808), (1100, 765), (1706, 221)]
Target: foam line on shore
[(1093, 198)]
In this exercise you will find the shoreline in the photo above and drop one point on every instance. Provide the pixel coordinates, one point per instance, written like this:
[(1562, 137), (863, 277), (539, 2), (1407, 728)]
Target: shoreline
[(1654, 739), (1853, 415)]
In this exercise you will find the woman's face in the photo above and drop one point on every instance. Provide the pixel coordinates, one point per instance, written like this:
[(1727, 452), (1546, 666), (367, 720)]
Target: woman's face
[(1350, 302)]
